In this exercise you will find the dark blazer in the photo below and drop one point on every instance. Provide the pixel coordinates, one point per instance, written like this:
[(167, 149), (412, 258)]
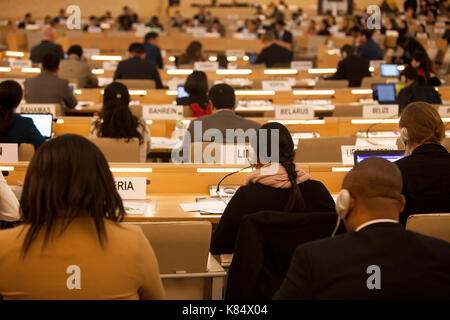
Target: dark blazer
[(23, 130), (412, 266), (426, 180), (265, 244), (38, 52), (370, 50), (49, 88), (353, 69), (286, 37), (153, 54), (256, 197), (137, 68), (274, 55), (415, 92)]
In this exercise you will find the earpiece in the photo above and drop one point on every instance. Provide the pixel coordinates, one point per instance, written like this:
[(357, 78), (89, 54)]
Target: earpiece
[(404, 137), (343, 203), (344, 54)]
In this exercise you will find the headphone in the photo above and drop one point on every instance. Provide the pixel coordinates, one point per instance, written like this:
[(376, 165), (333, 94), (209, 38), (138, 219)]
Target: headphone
[(342, 208)]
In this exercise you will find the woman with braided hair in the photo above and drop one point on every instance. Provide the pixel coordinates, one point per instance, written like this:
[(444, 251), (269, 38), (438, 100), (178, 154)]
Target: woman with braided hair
[(277, 184)]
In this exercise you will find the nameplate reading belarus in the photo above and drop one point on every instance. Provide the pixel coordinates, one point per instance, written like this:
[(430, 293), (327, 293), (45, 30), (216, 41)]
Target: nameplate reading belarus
[(294, 112)]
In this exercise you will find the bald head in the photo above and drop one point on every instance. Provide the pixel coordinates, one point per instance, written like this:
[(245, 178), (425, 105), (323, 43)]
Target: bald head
[(375, 186), (48, 34)]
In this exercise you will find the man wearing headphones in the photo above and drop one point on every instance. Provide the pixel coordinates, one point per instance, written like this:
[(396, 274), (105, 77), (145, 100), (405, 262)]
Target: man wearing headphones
[(377, 258)]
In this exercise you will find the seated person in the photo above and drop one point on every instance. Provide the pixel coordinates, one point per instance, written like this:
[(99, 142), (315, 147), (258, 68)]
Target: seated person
[(281, 34), (154, 24), (92, 26), (73, 227), (136, 67), (423, 64), (369, 49), (273, 54), (217, 27), (409, 46), (13, 127), (323, 28), (377, 258), (284, 187), (426, 170), (351, 67), (126, 19), (152, 50), (222, 100), (415, 89), (9, 205), (76, 68), (196, 86), (194, 53), (46, 46), (116, 120), (24, 23), (61, 17), (47, 87)]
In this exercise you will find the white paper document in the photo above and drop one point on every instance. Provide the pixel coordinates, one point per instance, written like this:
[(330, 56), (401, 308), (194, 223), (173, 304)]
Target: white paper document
[(216, 207), (135, 207)]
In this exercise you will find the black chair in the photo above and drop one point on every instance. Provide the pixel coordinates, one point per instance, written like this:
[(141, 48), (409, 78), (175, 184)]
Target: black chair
[(265, 244)]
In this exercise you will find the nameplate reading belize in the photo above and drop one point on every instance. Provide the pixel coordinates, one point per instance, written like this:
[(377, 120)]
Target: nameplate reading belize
[(348, 151), (19, 64), (380, 111), (444, 111), (37, 108), (294, 112), (277, 85), (162, 112), (9, 152), (206, 66), (131, 187)]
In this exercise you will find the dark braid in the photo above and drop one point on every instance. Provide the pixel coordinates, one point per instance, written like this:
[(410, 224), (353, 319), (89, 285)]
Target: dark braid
[(296, 202)]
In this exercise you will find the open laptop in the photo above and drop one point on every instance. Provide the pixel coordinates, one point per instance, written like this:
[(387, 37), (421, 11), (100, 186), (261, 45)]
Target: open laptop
[(384, 93), (182, 93), (389, 70), (42, 121), (390, 155)]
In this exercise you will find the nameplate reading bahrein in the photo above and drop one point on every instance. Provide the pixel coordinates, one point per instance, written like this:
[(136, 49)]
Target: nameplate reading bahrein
[(132, 188), (37, 108), (277, 85), (378, 111), (9, 152), (206, 66), (294, 112), (348, 151), (19, 64), (162, 112), (444, 111), (301, 65)]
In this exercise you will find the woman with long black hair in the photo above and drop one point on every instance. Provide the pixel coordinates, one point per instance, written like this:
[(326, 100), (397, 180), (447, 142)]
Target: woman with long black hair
[(196, 86), (116, 120), (275, 185)]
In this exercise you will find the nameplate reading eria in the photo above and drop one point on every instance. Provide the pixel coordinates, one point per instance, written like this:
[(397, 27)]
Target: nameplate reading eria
[(131, 187)]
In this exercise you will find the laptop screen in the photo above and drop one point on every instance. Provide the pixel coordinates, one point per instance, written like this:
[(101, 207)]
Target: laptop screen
[(42, 121), (389, 70), (390, 155), (384, 93), (182, 93)]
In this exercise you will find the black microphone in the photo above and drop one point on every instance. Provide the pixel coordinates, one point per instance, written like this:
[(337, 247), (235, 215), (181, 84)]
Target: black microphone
[(375, 124), (226, 176)]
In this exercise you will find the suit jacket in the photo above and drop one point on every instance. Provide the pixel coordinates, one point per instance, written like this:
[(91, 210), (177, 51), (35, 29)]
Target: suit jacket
[(153, 54), (411, 266), (426, 180), (38, 52), (415, 92), (23, 130), (137, 68), (353, 69), (285, 37), (74, 68), (370, 50), (274, 55), (49, 88)]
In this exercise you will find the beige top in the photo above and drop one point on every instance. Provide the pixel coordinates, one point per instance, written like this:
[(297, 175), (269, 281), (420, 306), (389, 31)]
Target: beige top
[(126, 268)]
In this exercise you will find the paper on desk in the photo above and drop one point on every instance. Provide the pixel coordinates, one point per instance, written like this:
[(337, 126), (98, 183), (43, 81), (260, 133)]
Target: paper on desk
[(211, 207), (135, 207), (165, 143)]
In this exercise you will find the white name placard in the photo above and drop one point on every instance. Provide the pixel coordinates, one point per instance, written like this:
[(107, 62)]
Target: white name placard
[(376, 63), (301, 65), (294, 112), (380, 111), (9, 152), (235, 53), (391, 33), (110, 65), (88, 52), (277, 85), (235, 154), (37, 108), (444, 111), (131, 187), (20, 63), (206, 66), (348, 151), (439, 30), (162, 112)]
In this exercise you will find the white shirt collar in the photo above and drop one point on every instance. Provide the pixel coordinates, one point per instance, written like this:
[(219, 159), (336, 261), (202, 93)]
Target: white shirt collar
[(375, 221)]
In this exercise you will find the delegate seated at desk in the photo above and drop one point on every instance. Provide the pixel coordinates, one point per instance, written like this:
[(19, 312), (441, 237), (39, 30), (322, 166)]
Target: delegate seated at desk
[(273, 54)]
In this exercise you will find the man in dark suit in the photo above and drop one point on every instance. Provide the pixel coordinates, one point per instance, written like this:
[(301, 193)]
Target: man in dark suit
[(46, 46), (351, 67), (221, 123), (369, 49), (281, 34), (376, 258), (152, 50), (273, 54), (136, 67), (47, 87)]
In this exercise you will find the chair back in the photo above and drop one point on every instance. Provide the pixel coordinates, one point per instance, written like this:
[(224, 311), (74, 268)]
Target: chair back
[(347, 111), (368, 81), (138, 83), (323, 149), (436, 225), (118, 149), (331, 84)]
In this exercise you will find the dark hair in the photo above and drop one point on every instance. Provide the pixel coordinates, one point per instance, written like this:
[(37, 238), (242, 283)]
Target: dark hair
[(193, 48), (222, 96), (286, 154), (425, 63), (10, 96), (348, 49), (280, 22), (197, 84), (326, 23), (136, 48), (368, 34), (410, 73), (116, 119), (92, 18), (50, 62), (68, 178), (75, 49), (28, 15), (150, 35)]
